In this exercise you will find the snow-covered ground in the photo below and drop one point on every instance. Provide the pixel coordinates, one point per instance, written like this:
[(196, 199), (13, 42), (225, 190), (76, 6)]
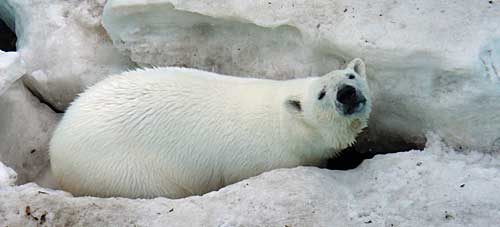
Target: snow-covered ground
[(432, 66), (433, 187)]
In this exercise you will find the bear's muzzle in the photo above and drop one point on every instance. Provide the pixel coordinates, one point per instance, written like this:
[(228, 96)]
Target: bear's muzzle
[(350, 100)]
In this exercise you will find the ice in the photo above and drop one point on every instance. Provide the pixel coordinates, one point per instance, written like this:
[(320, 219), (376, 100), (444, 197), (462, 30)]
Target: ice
[(25, 124), (8, 176), (11, 69), (432, 65), (63, 45)]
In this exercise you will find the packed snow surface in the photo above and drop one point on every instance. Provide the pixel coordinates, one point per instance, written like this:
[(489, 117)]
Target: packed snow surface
[(433, 187), (25, 124)]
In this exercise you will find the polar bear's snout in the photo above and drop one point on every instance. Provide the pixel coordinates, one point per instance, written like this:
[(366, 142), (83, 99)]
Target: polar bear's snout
[(350, 100)]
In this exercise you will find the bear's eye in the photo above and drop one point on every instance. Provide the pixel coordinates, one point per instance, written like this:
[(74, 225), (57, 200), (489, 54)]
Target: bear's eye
[(351, 76), (322, 94)]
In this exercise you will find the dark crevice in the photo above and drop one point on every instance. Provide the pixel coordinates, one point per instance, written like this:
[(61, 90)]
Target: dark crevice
[(352, 157), (8, 38), (8, 41), (348, 159), (42, 100), (367, 147)]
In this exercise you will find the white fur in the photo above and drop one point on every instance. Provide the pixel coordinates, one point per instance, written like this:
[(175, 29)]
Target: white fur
[(177, 132)]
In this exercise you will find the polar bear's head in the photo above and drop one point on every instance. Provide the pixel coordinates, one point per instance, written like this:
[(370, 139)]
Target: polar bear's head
[(337, 104)]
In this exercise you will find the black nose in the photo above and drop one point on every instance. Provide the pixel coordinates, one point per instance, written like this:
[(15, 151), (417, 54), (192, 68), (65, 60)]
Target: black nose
[(347, 95), (350, 99)]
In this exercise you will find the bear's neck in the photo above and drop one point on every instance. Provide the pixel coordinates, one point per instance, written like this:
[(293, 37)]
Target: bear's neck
[(316, 146), (342, 133)]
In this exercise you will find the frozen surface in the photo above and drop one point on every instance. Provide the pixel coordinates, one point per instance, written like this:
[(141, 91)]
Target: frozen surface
[(434, 187), (433, 65), (63, 45), (25, 123), (11, 69), (26, 128), (8, 176)]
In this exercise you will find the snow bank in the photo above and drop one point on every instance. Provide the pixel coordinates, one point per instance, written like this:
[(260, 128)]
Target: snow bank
[(433, 65), (8, 176), (11, 69), (25, 124), (434, 187), (63, 45)]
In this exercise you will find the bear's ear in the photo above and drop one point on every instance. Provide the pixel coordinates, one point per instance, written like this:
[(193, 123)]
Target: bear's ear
[(293, 104), (358, 66)]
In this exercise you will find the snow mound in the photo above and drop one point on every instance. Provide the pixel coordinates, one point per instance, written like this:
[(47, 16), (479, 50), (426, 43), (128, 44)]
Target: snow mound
[(25, 124), (433, 187), (63, 45)]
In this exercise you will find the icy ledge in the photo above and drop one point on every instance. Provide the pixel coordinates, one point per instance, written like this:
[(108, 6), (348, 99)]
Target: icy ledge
[(434, 187), (25, 124), (433, 65), (63, 45), (11, 69)]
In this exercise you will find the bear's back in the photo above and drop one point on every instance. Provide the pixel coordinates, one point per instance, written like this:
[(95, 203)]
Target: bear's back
[(162, 124)]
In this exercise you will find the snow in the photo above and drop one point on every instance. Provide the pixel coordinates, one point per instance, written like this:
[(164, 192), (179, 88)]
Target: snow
[(7, 58), (63, 45), (11, 69), (431, 64), (25, 124), (8, 176), (433, 187)]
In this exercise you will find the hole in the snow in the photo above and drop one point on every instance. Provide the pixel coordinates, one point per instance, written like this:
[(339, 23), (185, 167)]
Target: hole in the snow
[(7, 38), (349, 158), (353, 156)]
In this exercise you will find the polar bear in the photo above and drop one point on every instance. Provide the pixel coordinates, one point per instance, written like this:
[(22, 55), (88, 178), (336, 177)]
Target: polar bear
[(176, 132)]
